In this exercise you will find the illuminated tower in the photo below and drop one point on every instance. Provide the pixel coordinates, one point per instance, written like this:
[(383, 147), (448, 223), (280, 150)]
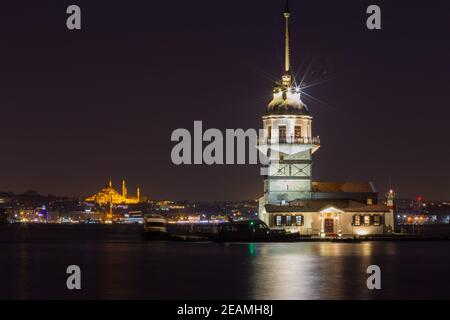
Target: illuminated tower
[(287, 141), (389, 217), (138, 194), (390, 196)]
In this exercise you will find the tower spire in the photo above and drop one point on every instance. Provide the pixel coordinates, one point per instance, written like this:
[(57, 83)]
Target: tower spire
[(287, 78), (287, 63)]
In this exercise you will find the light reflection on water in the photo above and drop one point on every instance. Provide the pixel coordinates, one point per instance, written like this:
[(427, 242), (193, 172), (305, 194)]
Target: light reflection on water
[(331, 270), (282, 276)]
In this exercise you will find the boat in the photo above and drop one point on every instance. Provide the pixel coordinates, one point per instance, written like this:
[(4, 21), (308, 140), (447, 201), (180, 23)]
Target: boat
[(155, 227), (253, 231)]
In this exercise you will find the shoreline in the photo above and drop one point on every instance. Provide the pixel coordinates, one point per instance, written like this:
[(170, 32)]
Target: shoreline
[(122, 233)]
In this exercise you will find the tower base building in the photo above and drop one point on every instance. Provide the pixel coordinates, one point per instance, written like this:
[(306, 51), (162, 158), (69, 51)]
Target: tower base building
[(334, 209)]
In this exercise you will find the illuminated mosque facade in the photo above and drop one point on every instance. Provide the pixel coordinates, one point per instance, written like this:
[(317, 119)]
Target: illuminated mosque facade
[(109, 195), (292, 200)]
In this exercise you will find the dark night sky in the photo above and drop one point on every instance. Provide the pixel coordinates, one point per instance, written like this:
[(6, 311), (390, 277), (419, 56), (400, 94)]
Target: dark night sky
[(80, 107)]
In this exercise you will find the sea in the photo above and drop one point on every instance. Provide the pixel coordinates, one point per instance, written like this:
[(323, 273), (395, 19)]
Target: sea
[(116, 262)]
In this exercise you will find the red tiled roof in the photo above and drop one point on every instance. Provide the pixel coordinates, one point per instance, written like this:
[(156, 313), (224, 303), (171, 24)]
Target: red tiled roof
[(343, 187), (369, 208)]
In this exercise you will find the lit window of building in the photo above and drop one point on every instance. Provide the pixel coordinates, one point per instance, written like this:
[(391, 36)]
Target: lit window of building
[(377, 220), (288, 220), (278, 221)]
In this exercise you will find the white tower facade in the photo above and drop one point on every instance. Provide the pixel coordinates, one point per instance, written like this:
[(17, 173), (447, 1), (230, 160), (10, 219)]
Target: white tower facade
[(288, 142)]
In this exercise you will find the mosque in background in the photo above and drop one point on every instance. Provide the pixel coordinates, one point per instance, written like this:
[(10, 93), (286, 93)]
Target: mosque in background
[(109, 195), (292, 200)]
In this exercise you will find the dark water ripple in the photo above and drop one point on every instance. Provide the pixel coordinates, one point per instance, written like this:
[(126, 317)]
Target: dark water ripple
[(117, 264)]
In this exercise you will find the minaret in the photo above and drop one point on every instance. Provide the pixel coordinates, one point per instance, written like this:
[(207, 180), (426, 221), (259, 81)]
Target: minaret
[(110, 214), (110, 183), (287, 142), (124, 189), (138, 194)]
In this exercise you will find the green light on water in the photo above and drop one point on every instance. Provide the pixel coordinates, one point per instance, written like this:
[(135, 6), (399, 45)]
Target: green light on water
[(251, 249)]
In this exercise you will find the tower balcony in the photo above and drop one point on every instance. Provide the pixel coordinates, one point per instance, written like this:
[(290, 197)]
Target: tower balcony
[(290, 140), (289, 145)]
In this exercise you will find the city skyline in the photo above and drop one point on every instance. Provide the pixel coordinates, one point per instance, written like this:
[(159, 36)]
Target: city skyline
[(82, 107)]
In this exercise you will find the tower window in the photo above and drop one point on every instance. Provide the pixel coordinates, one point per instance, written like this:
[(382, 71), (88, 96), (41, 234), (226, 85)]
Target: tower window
[(269, 133), (282, 134), (297, 133)]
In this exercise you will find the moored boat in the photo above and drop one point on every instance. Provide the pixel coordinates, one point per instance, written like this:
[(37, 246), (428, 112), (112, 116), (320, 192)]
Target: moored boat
[(252, 231), (155, 226)]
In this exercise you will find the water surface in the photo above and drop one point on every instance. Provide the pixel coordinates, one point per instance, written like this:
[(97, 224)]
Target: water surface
[(117, 264)]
